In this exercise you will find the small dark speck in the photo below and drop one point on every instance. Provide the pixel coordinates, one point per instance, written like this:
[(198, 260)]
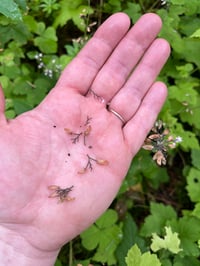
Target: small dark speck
[(90, 147), (54, 126), (196, 180), (69, 154)]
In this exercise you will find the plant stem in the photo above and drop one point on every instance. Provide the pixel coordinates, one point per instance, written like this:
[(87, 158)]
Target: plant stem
[(70, 254)]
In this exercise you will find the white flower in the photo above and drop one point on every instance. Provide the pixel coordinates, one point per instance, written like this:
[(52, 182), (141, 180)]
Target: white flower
[(163, 2), (178, 139), (41, 65)]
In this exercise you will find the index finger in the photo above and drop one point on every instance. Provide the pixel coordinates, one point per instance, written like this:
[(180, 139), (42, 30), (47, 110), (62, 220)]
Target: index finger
[(80, 73)]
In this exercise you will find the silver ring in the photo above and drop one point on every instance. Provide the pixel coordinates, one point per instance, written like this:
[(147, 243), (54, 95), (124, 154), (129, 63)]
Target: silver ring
[(116, 114)]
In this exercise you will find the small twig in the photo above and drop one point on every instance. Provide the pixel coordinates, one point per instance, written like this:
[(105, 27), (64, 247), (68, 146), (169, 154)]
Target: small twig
[(88, 120), (89, 165), (75, 136)]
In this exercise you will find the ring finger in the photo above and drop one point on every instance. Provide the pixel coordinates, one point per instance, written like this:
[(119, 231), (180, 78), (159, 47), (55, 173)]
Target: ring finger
[(127, 101)]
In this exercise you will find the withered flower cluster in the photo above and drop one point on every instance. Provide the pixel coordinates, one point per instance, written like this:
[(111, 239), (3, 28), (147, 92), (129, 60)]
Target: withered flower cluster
[(159, 141)]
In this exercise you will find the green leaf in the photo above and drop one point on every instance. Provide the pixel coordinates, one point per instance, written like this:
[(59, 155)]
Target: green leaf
[(186, 261), (196, 211), (72, 10), (37, 94), (169, 30), (4, 81), (188, 229), (185, 71), (31, 23), (105, 236), (58, 263), (112, 6), (190, 50), (189, 139), (170, 241), (196, 34), (143, 165), (136, 258), (90, 238), (188, 25), (195, 155), (12, 71), (75, 16), (155, 222), (184, 92), (17, 32), (10, 114), (21, 4), (10, 9), (108, 242), (133, 10), (148, 259), (191, 114), (47, 42), (21, 106), (40, 28), (108, 219), (191, 7), (193, 184), (130, 237)]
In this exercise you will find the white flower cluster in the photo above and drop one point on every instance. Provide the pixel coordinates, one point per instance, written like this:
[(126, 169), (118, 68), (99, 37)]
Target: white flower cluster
[(55, 68)]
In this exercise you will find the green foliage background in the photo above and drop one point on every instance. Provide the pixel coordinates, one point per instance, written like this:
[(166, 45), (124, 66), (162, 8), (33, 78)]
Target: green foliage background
[(155, 218)]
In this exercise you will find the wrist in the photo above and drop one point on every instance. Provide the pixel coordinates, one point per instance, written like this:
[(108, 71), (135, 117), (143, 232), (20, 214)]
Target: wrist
[(15, 250)]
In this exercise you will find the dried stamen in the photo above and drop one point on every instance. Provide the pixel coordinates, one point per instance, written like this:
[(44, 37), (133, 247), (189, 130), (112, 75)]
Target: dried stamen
[(61, 193)]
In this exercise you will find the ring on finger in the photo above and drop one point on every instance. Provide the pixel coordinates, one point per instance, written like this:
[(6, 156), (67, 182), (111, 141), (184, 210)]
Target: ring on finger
[(116, 114)]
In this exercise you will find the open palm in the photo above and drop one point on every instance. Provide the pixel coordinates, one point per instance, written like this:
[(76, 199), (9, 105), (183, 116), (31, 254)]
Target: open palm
[(71, 140)]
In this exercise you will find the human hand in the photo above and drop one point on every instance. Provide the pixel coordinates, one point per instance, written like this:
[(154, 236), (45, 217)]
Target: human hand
[(72, 139)]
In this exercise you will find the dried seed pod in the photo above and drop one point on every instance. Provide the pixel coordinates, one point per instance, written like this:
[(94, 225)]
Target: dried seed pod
[(62, 199), (170, 138), (148, 147), (88, 130), (160, 158), (53, 187), (166, 132), (67, 199), (68, 131), (82, 171), (102, 162), (154, 136)]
